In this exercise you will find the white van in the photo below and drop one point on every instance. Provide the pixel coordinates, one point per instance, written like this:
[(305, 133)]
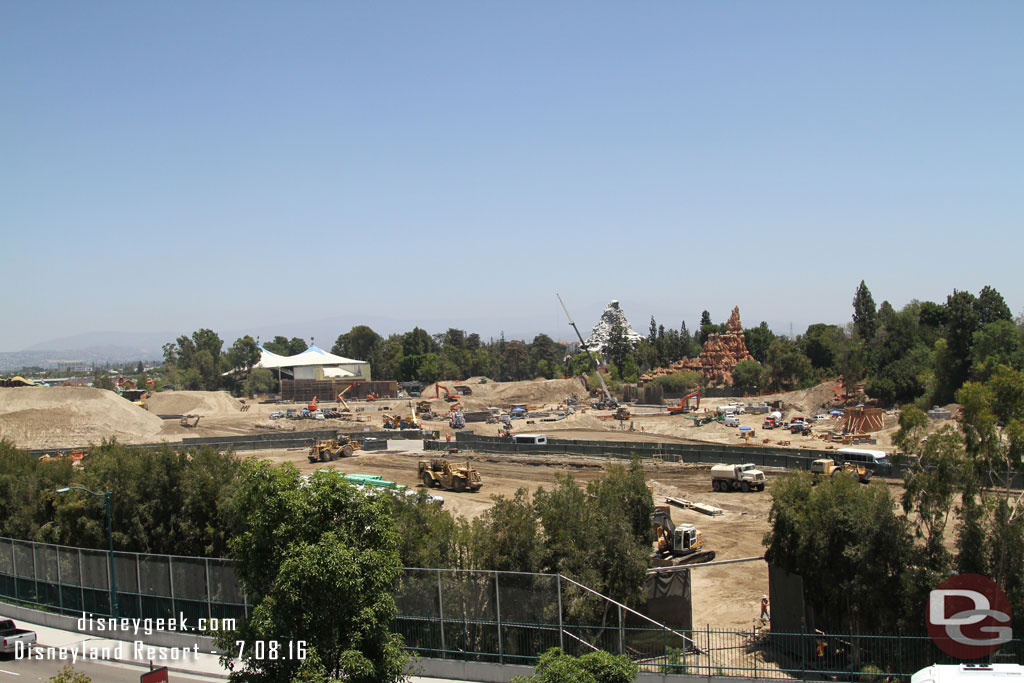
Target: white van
[(861, 456), (731, 420), (970, 673), (535, 439)]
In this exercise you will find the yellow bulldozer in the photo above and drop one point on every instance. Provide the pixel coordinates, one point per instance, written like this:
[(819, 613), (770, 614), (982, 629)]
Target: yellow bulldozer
[(324, 451), (827, 467), (440, 473)]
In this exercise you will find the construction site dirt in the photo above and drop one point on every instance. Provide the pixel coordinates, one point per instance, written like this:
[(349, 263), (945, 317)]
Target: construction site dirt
[(726, 596)]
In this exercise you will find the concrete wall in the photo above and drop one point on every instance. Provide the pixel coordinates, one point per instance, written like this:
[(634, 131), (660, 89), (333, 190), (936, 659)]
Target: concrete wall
[(65, 623)]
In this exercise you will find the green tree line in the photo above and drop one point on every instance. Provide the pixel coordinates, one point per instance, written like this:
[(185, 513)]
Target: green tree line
[(921, 354), (868, 560)]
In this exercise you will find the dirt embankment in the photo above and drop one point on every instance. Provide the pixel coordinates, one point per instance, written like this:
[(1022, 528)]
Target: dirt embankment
[(58, 417)]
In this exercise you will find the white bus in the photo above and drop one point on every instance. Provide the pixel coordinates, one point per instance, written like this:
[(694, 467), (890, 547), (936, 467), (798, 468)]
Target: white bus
[(536, 439), (862, 456)]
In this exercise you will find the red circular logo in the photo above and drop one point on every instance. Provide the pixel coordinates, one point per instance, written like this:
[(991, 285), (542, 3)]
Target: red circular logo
[(968, 616)]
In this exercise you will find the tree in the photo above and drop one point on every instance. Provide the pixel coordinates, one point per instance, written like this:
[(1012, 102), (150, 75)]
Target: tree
[(748, 373), (260, 381), (930, 487), (555, 666), (678, 382), (998, 343), (759, 339), (847, 544), (787, 366), (299, 543), (544, 348), (618, 346), (913, 429), (705, 327), (102, 380), (69, 675), (360, 343), (961, 323), (991, 307), (243, 354), (821, 343), (418, 342), (865, 321)]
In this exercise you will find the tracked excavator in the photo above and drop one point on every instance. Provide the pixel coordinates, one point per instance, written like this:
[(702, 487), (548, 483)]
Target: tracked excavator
[(684, 404), (677, 545)]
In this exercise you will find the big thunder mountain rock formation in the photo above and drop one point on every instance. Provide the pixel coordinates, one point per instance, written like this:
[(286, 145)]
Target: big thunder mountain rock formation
[(598, 339), (718, 357)]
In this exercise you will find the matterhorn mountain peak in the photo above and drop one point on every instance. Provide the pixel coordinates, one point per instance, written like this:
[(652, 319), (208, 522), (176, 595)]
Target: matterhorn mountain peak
[(599, 336)]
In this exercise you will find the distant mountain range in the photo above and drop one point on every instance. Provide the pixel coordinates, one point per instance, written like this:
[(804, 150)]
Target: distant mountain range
[(98, 348)]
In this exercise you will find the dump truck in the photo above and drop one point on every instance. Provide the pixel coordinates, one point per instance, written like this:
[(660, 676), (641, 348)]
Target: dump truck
[(744, 478), (439, 473), (676, 545), (329, 449), (827, 467)]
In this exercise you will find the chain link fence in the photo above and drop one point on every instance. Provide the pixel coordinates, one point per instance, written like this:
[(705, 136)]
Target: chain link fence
[(75, 580), (486, 616)]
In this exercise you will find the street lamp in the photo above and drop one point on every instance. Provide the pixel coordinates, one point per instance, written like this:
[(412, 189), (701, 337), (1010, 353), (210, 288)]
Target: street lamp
[(110, 538)]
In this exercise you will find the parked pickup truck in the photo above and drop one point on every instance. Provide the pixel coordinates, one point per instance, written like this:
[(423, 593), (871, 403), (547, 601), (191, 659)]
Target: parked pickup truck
[(11, 635)]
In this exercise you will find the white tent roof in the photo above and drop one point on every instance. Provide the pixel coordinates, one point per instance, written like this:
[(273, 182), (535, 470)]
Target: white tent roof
[(311, 356)]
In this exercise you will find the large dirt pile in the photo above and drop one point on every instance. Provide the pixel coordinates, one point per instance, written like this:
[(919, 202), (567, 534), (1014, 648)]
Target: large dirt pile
[(538, 392), (58, 417), (205, 403), (806, 401)]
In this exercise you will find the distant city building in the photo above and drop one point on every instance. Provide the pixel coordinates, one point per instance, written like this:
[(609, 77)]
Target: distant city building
[(73, 366)]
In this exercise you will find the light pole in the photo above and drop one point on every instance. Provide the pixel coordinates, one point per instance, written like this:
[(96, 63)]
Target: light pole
[(110, 539)]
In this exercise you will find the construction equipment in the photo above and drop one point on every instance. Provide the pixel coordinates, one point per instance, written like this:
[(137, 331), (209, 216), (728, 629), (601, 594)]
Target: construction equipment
[(324, 451), (190, 421), (392, 421), (737, 478), (312, 405), (440, 473), (677, 545), (622, 413), (449, 395), (684, 404), (463, 390), (608, 401), (699, 421), (826, 467), (341, 398), (456, 419), (372, 396)]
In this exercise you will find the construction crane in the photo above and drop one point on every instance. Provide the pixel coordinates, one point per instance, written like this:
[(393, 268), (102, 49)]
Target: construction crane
[(609, 401)]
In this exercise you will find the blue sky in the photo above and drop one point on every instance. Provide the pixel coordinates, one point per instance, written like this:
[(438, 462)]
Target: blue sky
[(171, 166)]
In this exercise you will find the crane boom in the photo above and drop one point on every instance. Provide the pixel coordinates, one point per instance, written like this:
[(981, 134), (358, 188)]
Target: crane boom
[(604, 387)]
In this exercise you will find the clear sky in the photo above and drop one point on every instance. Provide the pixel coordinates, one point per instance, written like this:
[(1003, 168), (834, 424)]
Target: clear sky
[(177, 165)]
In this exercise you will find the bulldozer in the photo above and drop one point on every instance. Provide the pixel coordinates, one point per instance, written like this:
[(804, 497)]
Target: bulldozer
[(440, 473), (827, 467), (622, 413), (324, 451), (677, 545)]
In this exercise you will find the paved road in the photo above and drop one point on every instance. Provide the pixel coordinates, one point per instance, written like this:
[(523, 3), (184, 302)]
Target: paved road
[(42, 670)]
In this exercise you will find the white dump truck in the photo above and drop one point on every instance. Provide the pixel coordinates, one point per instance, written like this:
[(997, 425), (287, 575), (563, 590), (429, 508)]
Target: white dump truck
[(737, 478)]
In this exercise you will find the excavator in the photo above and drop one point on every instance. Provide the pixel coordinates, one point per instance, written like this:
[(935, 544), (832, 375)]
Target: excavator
[(677, 545), (312, 406), (684, 406), (449, 395)]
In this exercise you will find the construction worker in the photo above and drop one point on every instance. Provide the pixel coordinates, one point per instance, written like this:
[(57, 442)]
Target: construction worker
[(764, 608)]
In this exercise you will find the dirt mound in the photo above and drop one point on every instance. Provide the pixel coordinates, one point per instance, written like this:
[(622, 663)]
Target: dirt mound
[(806, 401), (205, 403), (539, 392), (51, 417)]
